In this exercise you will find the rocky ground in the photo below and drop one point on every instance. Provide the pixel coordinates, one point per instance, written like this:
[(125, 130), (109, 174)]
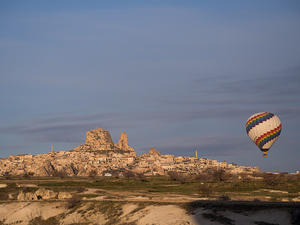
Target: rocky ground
[(30, 204), (33, 203), (141, 213)]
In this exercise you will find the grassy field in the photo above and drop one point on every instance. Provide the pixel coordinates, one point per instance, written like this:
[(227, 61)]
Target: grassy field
[(276, 189)]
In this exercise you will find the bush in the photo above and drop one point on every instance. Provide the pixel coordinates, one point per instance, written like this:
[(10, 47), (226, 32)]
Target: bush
[(26, 175), (74, 201), (93, 173), (214, 175), (246, 179), (40, 221), (80, 189), (202, 177), (60, 173), (141, 177), (3, 196), (220, 175), (271, 179), (292, 177), (128, 174), (7, 176), (205, 190), (175, 176)]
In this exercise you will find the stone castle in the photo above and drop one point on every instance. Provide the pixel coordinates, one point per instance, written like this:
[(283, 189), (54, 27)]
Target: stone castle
[(101, 157)]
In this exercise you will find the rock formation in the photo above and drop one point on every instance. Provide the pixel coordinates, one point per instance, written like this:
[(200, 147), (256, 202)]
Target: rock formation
[(153, 151), (97, 139), (43, 194), (123, 143), (100, 139)]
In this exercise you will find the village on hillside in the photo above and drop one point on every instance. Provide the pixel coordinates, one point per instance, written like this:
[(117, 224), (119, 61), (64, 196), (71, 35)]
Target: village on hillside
[(99, 156)]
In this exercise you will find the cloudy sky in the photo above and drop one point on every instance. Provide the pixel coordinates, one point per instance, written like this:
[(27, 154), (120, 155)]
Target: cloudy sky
[(175, 75)]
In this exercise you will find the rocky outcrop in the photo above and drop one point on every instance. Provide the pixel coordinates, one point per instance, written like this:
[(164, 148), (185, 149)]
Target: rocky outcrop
[(28, 196), (153, 151), (123, 143), (100, 139), (97, 139), (64, 195), (43, 194)]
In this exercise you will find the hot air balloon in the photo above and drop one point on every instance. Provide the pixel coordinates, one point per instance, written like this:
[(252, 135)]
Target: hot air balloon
[(263, 129)]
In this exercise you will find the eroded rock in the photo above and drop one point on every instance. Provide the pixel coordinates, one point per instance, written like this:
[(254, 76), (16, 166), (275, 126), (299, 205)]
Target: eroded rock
[(123, 143), (64, 195), (97, 139)]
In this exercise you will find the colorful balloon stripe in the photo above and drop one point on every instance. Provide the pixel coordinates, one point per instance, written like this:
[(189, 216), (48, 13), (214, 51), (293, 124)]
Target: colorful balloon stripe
[(255, 121), (266, 140), (267, 135), (255, 117)]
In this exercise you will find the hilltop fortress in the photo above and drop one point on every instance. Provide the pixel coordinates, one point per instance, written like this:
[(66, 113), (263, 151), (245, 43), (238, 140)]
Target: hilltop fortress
[(101, 157)]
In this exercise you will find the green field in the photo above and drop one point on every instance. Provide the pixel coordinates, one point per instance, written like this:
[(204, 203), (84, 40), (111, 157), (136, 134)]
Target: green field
[(276, 189)]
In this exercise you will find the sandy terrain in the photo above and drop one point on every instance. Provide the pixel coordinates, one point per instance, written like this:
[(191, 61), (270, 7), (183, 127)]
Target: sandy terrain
[(104, 206), (137, 213), (22, 212)]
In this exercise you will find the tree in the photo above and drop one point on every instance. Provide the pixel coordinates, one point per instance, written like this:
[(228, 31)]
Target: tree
[(72, 202), (60, 173), (205, 190), (128, 174), (175, 176), (141, 177), (93, 173), (220, 175)]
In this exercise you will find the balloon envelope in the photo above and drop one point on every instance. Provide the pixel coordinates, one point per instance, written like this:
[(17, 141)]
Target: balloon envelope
[(263, 129)]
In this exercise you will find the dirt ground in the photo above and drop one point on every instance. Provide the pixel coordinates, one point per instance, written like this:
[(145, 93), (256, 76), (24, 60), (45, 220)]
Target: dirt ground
[(101, 213)]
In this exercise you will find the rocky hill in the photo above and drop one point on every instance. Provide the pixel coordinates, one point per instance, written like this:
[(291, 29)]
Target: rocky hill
[(100, 140), (99, 156)]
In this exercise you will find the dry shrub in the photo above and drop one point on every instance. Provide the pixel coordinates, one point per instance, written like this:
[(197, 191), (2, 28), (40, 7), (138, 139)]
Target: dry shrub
[(7, 176), (80, 189), (128, 174), (245, 178), (214, 175), (273, 179), (3, 196), (220, 175), (292, 177), (93, 173), (203, 177), (40, 221), (74, 201), (141, 177), (205, 190), (59, 173), (175, 176)]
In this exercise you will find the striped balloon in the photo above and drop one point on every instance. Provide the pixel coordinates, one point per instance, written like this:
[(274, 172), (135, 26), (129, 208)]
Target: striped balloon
[(263, 129)]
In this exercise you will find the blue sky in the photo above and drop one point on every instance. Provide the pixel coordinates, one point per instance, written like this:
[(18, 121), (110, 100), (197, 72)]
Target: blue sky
[(175, 75)]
